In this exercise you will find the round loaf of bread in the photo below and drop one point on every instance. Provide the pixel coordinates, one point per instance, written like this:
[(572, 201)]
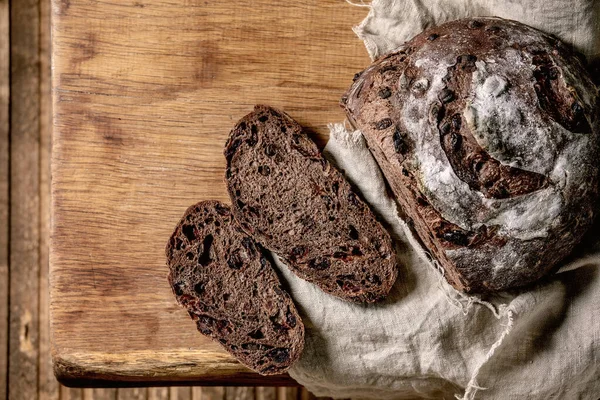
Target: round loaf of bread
[(487, 132)]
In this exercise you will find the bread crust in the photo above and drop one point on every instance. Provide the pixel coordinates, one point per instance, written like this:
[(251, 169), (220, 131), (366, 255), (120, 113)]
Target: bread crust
[(487, 132)]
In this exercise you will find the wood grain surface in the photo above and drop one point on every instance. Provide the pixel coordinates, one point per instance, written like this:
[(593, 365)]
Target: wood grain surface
[(47, 387), (25, 205), (4, 192), (144, 95)]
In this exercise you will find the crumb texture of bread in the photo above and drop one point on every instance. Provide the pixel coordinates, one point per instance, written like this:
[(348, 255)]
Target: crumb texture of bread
[(295, 203), (487, 131), (231, 290)]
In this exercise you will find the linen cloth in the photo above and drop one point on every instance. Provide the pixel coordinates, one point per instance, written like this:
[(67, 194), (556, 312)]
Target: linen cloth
[(428, 340)]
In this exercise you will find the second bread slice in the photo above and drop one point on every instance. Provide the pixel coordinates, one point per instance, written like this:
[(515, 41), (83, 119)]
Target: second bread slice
[(294, 202)]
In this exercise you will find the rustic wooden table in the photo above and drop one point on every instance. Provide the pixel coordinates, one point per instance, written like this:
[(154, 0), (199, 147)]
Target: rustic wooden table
[(144, 95)]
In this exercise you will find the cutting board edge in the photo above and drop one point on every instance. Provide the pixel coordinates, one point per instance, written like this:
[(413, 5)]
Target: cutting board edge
[(77, 370)]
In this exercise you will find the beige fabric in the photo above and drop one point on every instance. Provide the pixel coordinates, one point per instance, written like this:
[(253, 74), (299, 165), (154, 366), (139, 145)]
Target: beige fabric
[(392, 22), (427, 340)]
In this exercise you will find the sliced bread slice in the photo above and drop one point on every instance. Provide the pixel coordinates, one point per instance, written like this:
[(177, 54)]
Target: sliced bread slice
[(295, 203), (230, 289)]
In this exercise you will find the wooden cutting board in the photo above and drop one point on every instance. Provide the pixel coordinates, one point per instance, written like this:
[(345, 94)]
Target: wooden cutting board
[(144, 95)]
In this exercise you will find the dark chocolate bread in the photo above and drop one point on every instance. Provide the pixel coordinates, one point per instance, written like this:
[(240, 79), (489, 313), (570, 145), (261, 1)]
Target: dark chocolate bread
[(294, 202), (230, 289), (487, 132)]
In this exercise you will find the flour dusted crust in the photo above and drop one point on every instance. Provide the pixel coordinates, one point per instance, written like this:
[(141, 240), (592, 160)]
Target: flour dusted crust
[(487, 131)]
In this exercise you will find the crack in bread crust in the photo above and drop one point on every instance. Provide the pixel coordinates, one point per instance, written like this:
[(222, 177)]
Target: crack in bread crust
[(470, 162)]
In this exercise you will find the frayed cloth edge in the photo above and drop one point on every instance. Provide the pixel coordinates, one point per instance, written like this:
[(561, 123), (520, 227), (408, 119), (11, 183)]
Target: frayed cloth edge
[(472, 387)]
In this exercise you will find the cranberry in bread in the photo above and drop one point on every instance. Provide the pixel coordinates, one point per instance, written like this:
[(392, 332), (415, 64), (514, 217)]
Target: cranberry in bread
[(487, 132)]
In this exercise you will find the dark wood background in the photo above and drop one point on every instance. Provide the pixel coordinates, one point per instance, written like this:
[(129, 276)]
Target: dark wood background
[(25, 143)]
